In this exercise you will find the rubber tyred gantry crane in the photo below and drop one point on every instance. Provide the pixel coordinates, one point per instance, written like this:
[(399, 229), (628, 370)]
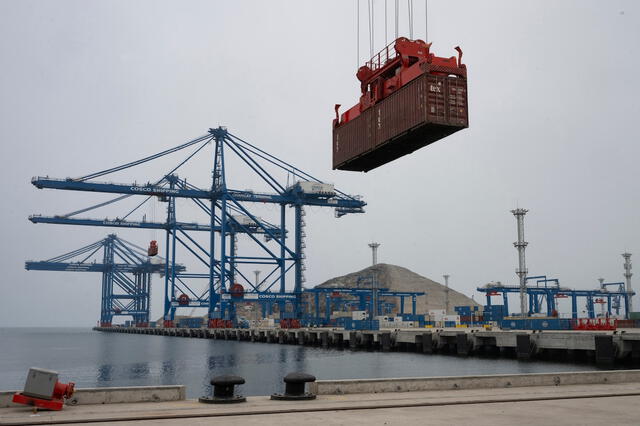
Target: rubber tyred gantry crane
[(550, 294)]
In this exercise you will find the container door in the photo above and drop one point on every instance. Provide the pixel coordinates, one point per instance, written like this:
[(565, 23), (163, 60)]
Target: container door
[(436, 108), (457, 110)]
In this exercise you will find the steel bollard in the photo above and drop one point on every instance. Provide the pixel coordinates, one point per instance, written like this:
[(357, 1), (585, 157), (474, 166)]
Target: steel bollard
[(295, 387), (223, 390)]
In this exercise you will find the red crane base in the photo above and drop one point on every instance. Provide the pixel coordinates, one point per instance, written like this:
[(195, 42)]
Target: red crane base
[(46, 404)]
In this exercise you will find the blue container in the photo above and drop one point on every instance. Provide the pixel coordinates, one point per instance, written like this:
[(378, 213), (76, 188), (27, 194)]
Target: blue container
[(371, 325), (411, 317), (362, 325), (512, 324), (493, 312), (190, 322), (341, 321), (549, 324), (536, 324), (493, 307), (449, 323), (462, 310)]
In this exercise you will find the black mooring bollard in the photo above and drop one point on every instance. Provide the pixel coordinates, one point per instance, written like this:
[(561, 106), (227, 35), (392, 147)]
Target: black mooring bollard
[(294, 387), (223, 390)]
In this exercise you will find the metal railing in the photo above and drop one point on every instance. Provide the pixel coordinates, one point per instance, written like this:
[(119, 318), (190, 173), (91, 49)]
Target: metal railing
[(380, 59)]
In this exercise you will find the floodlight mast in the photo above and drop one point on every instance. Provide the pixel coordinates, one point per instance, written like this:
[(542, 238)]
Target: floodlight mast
[(374, 253), (521, 272), (446, 294), (627, 275)]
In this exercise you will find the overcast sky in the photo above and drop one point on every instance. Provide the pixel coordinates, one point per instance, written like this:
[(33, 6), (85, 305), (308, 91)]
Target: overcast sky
[(553, 94)]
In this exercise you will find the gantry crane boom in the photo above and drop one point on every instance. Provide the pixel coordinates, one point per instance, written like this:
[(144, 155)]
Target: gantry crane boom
[(240, 196), (229, 216), (126, 275)]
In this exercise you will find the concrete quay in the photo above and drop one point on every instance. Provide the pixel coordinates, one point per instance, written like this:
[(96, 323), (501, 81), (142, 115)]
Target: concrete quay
[(603, 398), (113, 395), (602, 347)]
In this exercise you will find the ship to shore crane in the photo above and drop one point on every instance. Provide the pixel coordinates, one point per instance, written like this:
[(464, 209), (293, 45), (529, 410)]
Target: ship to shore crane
[(126, 275), (229, 214)]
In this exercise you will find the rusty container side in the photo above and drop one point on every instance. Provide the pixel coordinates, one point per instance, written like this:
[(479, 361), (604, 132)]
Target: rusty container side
[(353, 139), (427, 109), (400, 111)]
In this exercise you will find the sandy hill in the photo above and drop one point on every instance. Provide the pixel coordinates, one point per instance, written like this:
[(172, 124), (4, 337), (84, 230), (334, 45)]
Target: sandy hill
[(397, 278)]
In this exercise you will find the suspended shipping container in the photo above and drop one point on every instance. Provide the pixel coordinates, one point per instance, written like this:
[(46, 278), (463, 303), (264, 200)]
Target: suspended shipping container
[(410, 99)]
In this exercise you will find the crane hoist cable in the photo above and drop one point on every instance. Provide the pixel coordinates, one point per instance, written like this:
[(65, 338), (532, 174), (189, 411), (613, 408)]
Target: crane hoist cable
[(386, 40), (426, 21), (371, 23), (357, 34), (371, 28), (410, 14), (397, 10)]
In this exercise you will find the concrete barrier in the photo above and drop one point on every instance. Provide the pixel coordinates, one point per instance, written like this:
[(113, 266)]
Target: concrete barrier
[(114, 395), (340, 387)]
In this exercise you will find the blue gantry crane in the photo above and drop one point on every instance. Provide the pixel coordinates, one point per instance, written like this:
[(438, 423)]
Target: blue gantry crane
[(543, 292), (367, 298), (614, 300), (126, 275), (229, 214)]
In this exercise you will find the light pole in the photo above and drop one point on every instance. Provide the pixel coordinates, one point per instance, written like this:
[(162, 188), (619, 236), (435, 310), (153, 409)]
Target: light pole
[(627, 276), (521, 272), (446, 294), (374, 253)]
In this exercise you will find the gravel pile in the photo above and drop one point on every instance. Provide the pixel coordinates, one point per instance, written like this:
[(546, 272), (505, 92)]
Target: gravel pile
[(397, 278)]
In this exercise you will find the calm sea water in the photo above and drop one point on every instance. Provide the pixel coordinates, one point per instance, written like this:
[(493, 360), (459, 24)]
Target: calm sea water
[(93, 359)]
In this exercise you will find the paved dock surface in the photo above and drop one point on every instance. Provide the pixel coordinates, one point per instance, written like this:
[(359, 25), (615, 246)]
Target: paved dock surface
[(558, 405)]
